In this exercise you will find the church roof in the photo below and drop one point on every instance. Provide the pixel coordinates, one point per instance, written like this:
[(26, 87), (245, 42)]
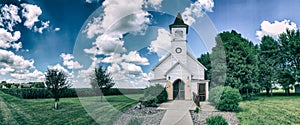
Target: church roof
[(178, 63), (167, 56), (179, 23)]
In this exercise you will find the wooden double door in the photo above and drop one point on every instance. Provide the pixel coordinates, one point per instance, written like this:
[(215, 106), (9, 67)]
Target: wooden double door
[(178, 90)]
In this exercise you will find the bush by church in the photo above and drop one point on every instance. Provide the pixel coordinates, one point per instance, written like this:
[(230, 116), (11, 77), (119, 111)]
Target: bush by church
[(216, 120), (153, 95), (225, 98)]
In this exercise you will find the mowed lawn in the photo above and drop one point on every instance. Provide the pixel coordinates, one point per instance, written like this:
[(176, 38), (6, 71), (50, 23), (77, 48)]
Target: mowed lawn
[(278, 110), (14, 110)]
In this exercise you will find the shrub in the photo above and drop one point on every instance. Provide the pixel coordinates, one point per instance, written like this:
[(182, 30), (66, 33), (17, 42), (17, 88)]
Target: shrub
[(197, 110), (229, 100), (215, 94), (150, 101), (216, 120), (155, 94)]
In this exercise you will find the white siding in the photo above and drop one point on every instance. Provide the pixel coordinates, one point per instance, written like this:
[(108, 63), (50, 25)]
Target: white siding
[(179, 72), (160, 71), (196, 69)]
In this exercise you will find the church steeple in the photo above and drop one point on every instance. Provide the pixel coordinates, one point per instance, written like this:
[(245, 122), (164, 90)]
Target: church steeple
[(179, 23)]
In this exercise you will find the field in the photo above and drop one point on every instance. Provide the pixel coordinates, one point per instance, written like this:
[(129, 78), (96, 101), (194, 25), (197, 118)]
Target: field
[(85, 110), (279, 110)]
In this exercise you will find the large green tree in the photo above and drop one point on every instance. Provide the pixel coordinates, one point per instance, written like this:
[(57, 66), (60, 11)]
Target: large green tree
[(100, 80), (269, 58), (205, 60), (241, 62), (56, 82), (290, 57)]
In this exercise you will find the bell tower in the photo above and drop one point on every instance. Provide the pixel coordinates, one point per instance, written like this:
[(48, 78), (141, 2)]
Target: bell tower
[(179, 31)]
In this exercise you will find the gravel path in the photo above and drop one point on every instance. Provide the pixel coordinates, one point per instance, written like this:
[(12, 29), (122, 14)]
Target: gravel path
[(199, 119), (208, 110), (144, 116)]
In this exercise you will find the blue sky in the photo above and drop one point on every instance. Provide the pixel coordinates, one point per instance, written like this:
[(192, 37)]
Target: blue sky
[(75, 36)]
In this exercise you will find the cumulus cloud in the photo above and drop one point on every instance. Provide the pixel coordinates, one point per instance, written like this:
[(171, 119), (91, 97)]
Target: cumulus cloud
[(31, 13), (8, 40), (162, 44), (29, 76), (156, 4), (69, 62), (44, 26), (9, 16), (107, 44), (59, 68), (134, 57), (14, 63), (131, 68), (275, 29), (196, 10), (114, 68), (115, 58)]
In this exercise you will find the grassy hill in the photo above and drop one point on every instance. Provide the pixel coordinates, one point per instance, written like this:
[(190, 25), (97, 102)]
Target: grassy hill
[(14, 110)]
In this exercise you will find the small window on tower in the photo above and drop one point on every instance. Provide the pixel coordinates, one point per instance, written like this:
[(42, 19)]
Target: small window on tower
[(178, 33), (169, 78)]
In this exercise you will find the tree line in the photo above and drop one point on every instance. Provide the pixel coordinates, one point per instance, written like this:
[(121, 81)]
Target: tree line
[(237, 62)]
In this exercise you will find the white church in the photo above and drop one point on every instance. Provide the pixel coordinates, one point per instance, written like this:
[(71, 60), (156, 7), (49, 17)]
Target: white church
[(180, 72)]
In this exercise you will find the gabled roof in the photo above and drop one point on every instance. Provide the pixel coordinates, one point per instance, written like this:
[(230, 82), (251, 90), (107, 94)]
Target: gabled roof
[(161, 61), (178, 63), (189, 54)]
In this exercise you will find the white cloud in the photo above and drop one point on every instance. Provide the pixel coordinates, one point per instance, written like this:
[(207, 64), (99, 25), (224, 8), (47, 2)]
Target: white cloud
[(92, 1), (162, 44), (156, 4), (114, 68), (131, 68), (44, 26), (197, 10), (115, 58), (10, 61), (134, 57), (9, 16), (31, 13), (275, 29), (69, 62), (60, 68), (6, 70), (36, 75), (107, 44), (57, 29), (120, 16), (8, 39)]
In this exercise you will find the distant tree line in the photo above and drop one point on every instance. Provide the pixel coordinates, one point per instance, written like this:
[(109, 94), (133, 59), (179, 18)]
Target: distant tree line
[(237, 62), (5, 84)]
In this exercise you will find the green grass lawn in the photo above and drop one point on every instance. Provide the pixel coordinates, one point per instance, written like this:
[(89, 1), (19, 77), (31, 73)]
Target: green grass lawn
[(278, 110), (85, 110)]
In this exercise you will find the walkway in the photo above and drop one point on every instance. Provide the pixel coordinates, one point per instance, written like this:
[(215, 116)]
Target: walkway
[(177, 112)]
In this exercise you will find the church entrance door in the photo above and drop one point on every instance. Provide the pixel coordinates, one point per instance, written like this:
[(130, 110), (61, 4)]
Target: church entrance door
[(178, 90)]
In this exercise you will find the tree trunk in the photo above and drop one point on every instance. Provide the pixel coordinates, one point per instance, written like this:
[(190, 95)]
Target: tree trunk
[(268, 90), (271, 91), (287, 92), (56, 105)]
